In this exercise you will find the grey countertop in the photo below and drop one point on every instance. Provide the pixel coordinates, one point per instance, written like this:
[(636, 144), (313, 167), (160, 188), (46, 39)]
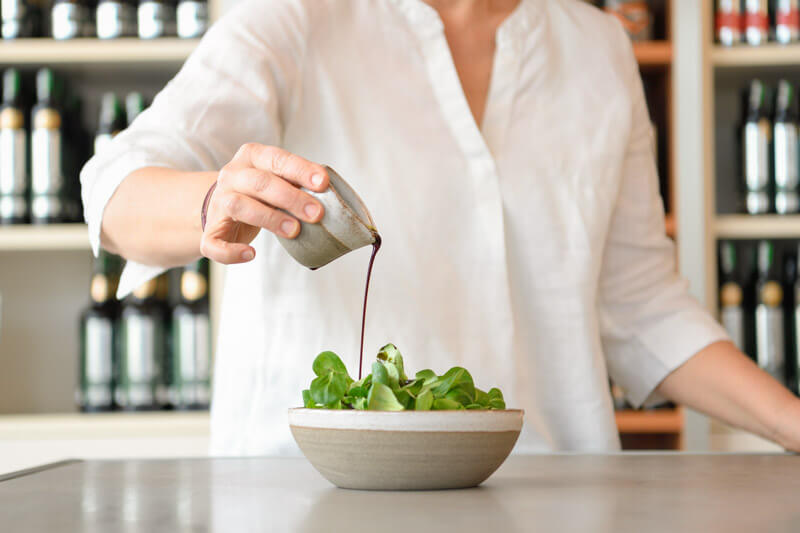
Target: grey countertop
[(563, 493)]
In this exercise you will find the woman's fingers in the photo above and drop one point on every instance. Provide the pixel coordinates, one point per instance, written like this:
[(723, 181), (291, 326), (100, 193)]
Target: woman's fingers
[(243, 208), (274, 191), (287, 165), (227, 253)]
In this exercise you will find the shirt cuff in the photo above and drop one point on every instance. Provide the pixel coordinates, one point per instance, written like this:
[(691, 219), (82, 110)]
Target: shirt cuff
[(134, 275), (656, 351)]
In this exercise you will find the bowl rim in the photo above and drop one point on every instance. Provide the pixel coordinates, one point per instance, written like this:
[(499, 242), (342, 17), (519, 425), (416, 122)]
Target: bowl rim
[(495, 420)]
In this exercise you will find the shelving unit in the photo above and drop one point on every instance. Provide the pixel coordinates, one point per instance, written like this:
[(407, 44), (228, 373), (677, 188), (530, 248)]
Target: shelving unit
[(44, 238), (45, 275), (128, 51), (720, 72), (653, 53), (757, 227), (743, 56), (657, 421)]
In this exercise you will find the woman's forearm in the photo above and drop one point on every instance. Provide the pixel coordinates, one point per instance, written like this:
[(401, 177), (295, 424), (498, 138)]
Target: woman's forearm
[(724, 383), (154, 216)]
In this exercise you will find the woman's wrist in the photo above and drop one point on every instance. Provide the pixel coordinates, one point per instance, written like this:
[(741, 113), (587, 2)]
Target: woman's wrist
[(786, 427), (204, 208)]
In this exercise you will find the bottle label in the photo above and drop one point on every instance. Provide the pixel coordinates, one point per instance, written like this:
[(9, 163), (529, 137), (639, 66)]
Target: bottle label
[(756, 155), (142, 354), (47, 208), (156, 19), (787, 202), (12, 9), (193, 286), (192, 360), (769, 340), (787, 164), (98, 362), (729, 22), (99, 288), (13, 174), (192, 19), (787, 21), (46, 161), (115, 19), (13, 208), (756, 21), (69, 20), (733, 322)]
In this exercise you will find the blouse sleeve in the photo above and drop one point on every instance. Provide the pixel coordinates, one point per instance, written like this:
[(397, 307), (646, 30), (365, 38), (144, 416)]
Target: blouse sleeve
[(236, 87), (649, 323)]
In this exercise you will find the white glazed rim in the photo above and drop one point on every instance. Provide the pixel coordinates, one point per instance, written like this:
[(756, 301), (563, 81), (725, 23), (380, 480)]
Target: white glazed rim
[(440, 421), (339, 187)]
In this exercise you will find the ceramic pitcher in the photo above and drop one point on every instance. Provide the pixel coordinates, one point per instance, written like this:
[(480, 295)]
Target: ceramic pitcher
[(345, 226)]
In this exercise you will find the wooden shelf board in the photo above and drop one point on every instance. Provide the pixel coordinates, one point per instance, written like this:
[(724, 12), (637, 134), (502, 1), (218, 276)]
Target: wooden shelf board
[(104, 425), (671, 225), (81, 51), (757, 226), (653, 53), (44, 237), (654, 421), (770, 55)]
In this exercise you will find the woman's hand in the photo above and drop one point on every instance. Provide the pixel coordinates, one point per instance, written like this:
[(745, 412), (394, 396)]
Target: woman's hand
[(723, 382), (787, 428), (260, 188)]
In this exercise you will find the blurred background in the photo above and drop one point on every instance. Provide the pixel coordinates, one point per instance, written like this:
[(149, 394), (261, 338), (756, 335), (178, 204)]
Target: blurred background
[(82, 374)]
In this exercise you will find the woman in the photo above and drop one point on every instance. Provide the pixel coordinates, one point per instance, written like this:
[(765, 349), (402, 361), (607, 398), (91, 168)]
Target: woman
[(505, 151)]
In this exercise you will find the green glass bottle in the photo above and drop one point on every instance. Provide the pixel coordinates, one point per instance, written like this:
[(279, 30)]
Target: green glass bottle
[(14, 182), (142, 337), (48, 186), (769, 314), (190, 386), (99, 324)]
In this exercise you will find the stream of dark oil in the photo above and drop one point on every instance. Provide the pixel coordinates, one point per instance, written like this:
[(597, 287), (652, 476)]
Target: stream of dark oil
[(375, 247)]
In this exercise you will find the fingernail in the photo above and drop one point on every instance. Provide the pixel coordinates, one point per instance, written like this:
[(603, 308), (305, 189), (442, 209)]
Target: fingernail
[(311, 210), (317, 179), (247, 255), (288, 227)]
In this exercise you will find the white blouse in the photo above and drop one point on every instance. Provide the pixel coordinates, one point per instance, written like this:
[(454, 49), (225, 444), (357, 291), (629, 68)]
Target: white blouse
[(530, 249)]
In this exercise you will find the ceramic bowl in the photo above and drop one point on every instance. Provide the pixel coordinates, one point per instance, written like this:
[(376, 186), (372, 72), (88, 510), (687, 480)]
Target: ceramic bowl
[(408, 450)]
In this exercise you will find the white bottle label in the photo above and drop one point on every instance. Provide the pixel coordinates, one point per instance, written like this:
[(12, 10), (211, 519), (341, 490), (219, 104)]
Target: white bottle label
[(46, 162), (98, 362), (13, 175), (769, 340), (733, 321)]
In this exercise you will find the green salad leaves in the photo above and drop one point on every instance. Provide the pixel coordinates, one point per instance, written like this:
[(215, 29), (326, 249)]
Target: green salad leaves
[(388, 388)]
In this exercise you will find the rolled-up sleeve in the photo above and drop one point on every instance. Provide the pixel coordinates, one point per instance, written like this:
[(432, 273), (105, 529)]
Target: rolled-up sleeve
[(650, 325), (236, 87)]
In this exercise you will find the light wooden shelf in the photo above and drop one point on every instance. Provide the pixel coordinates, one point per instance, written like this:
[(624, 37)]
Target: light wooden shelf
[(757, 226), (126, 51), (44, 237), (665, 421), (105, 425), (653, 53), (770, 55), (671, 225)]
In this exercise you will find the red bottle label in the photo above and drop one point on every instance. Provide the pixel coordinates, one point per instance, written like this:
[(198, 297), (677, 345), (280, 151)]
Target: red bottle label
[(790, 18), (729, 19), (757, 20)]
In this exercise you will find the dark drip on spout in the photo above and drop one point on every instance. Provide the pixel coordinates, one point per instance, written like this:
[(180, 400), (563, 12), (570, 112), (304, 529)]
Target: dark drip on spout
[(375, 247)]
